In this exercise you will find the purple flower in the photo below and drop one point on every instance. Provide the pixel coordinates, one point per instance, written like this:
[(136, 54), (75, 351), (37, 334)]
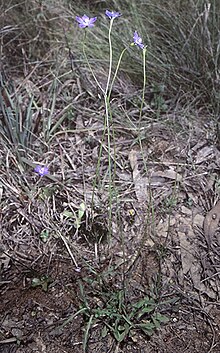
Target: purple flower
[(138, 40), (112, 14), (41, 170), (85, 21)]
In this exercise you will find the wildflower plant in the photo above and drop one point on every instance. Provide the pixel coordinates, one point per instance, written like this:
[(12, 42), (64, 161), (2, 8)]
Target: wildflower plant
[(86, 22)]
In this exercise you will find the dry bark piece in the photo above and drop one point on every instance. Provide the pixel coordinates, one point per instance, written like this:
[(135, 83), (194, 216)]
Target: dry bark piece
[(211, 223)]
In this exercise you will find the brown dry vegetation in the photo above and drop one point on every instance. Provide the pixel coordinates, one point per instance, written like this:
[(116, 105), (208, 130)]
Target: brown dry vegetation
[(163, 240)]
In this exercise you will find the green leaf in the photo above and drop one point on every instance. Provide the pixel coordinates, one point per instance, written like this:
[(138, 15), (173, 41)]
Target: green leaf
[(156, 322), (161, 318), (44, 235), (104, 332), (139, 304), (144, 302), (35, 282), (121, 327), (120, 336), (147, 331), (146, 310), (170, 301), (82, 208), (68, 214), (147, 327)]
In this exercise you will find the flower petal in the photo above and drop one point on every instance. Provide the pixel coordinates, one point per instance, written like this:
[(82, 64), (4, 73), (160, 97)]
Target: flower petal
[(41, 170), (112, 14), (93, 19), (138, 40)]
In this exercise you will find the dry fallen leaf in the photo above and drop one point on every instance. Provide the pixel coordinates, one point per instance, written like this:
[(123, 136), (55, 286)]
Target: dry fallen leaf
[(211, 223), (206, 153), (187, 246), (169, 174), (140, 183)]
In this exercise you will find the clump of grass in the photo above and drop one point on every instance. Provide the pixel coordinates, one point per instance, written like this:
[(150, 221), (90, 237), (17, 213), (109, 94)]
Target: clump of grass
[(28, 29), (185, 40), (182, 40), (183, 46), (17, 125)]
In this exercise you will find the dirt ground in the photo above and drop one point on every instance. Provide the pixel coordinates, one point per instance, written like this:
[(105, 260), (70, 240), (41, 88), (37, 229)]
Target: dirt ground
[(31, 320)]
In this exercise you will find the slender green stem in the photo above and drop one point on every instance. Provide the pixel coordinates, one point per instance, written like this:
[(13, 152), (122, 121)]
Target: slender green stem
[(142, 104), (109, 161), (110, 57), (151, 207), (108, 116), (116, 71), (144, 84), (109, 113)]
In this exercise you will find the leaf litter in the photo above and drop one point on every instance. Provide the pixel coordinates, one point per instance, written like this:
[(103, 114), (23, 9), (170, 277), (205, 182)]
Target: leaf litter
[(170, 228)]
